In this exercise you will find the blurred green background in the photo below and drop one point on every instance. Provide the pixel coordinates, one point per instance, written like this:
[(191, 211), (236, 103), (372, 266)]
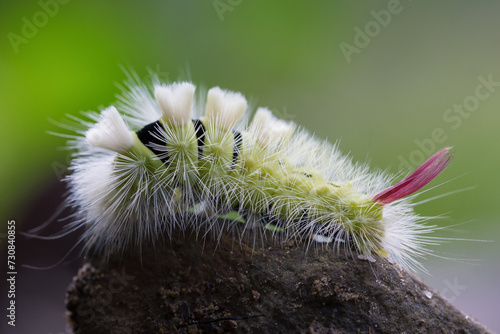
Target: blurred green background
[(379, 91)]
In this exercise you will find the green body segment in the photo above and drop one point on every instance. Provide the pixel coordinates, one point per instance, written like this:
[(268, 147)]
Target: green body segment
[(259, 181)]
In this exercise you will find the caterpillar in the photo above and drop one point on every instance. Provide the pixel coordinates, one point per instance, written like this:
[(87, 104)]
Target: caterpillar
[(171, 161)]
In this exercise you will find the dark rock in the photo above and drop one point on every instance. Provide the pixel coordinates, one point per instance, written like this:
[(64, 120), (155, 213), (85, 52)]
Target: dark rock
[(202, 286)]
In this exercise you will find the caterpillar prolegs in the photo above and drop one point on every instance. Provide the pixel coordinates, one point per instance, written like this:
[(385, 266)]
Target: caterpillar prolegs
[(169, 157)]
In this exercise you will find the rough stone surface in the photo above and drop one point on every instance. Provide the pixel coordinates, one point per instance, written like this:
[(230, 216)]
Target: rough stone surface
[(201, 286)]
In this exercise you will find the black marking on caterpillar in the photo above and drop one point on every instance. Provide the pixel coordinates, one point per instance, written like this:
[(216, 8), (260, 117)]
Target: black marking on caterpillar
[(150, 136), (237, 146), (200, 136)]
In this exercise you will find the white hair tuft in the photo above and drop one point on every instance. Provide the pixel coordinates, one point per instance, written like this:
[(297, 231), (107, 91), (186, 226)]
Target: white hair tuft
[(226, 108), (175, 101), (269, 129), (110, 132)]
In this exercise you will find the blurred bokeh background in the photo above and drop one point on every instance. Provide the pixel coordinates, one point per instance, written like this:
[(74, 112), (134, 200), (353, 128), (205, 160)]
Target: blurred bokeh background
[(394, 81)]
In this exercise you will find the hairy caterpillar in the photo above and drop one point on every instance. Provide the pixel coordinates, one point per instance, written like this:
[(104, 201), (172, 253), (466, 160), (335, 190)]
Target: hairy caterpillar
[(170, 157)]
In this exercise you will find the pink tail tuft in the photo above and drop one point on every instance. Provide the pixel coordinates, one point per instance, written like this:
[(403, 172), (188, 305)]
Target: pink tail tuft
[(418, 179)]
